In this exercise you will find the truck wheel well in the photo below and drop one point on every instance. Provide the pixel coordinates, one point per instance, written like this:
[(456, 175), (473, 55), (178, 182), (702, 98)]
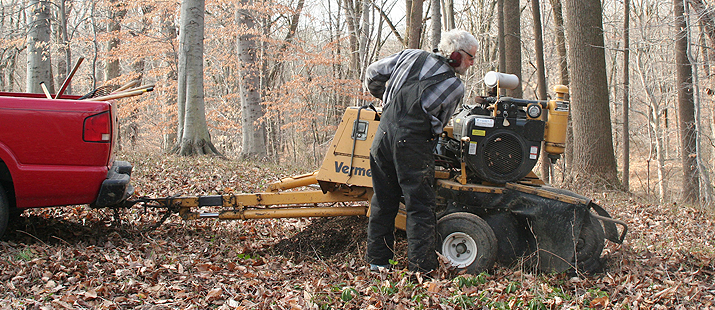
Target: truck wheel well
[(7, 184)]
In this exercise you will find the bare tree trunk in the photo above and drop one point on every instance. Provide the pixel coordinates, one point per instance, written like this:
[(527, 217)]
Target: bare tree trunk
[(512, 43), (352, 13), (626, 86), (364, 38), (705, 189), (408, 21), (593, 140), (253, 132), (436, 29), (449, 14), (539, 50), (194, 138), (415, 34), (95, 44), (111, 67), (500, 35), (39, 64), (686, 106), (563, 77), (64, 46), (541, 80), (168, 31), (181, 90)]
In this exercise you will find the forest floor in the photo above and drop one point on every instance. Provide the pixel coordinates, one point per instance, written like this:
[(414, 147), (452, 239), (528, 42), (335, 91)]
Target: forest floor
[(77, 257)]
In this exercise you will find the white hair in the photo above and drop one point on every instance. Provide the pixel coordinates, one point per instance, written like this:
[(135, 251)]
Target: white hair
[(455, 40)]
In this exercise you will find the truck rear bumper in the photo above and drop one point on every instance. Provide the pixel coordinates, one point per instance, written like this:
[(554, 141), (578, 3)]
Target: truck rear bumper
[(116, 188)]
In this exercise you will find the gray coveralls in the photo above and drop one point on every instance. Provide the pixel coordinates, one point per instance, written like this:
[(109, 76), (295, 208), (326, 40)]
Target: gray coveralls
[(402, 164)]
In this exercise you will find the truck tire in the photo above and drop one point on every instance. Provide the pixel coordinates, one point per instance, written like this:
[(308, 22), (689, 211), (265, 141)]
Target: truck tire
[(589, 245), (4, 211), (467, 241)]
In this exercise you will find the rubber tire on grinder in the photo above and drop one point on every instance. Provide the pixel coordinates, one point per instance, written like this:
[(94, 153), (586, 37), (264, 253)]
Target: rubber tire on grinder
[(4, 211), (590, 245), (466, 230)]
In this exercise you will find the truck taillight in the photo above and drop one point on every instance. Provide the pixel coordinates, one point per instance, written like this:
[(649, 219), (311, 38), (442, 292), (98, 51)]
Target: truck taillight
[(97, 128)]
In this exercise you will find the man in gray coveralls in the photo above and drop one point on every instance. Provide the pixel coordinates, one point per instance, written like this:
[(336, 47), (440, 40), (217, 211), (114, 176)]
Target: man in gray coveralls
[(420, 92)]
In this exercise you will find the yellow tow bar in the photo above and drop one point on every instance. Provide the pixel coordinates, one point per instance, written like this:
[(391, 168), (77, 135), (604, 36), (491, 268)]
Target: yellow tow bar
[(290, 204)]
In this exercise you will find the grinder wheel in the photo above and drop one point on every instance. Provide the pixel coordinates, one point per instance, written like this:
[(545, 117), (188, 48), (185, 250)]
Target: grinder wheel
[(589, 245), (467, 241)]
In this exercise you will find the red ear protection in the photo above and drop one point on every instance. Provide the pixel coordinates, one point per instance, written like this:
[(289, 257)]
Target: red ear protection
[(455, 60)]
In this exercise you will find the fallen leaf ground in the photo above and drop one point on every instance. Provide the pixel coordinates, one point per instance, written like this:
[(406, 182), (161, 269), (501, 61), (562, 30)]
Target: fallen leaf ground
[(76, 257)]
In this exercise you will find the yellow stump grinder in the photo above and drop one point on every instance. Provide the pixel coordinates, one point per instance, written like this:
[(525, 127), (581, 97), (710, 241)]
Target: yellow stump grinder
[(491, 207)]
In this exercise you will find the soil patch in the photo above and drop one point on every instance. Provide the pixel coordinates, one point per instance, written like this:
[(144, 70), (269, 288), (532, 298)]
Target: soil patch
[(336, 238), (326, 238)]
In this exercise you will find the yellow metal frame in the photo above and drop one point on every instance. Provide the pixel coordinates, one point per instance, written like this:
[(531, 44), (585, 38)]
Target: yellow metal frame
[(297, 204)]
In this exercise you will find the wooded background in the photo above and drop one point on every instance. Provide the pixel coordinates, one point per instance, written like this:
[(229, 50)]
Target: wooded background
[(269, 80)]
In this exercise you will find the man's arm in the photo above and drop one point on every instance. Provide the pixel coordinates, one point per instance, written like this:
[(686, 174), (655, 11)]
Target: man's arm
[(378, 73)]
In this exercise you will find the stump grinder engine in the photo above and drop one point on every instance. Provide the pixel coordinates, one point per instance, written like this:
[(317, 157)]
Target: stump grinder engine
[(490, 206), (500, 139)]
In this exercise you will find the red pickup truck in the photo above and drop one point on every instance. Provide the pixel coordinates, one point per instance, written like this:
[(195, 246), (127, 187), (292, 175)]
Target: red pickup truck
[(56, 152)]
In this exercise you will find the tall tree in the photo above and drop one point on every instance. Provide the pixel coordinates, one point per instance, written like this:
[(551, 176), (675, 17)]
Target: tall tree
[(512, 42), (253, 132), (353, 12), (193, 134), (686, 106), (436, 28), (560, 42), (538, 50), (500, 36), (626, 88), (39, 65), (540, 78), (449, 14), (415, 24), (66, 65), (563, 76), (364, 39), (593, 142), (168, 33)]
